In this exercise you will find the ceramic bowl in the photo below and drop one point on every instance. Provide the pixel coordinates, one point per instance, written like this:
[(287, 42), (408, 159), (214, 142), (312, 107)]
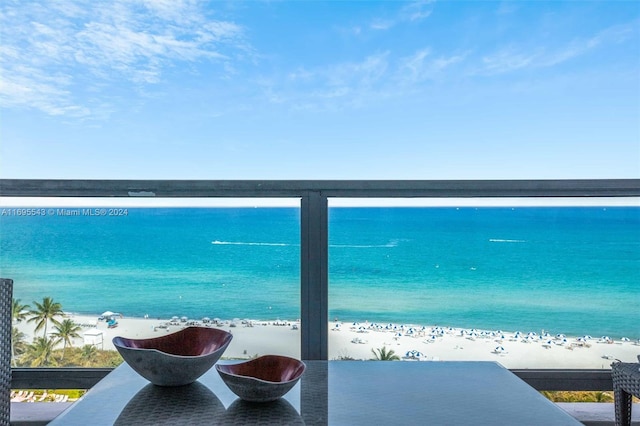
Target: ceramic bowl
[(266, 378), (176, 359)]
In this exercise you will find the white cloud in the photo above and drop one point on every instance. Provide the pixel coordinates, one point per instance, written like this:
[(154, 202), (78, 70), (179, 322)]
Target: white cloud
[(515, 57), (364, 73), (374, 78), (417, 11), (131, 41), (421, 66), (410, 12), (508, 59)]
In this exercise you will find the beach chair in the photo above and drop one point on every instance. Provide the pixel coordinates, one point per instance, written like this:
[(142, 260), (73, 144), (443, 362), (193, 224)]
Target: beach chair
[(6, 296)]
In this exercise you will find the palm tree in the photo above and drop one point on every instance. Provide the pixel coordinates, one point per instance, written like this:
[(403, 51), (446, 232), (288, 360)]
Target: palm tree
[(18, 345), (45, 311), (40, 351), (18, 314), (603, 397), (381, 354), (18, 311), (87, 353), (65, 332)]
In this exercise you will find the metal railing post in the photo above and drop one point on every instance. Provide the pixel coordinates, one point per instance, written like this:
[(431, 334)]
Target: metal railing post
[(314, 291)]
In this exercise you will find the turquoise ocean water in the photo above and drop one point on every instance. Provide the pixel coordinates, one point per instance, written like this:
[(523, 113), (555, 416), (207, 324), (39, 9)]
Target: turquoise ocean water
[(572, 270)]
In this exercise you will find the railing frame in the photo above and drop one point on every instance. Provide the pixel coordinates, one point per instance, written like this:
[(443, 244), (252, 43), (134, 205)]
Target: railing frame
[(85, 378), (314, 195)]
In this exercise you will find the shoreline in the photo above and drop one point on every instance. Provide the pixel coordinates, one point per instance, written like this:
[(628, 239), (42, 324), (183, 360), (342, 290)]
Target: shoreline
[(357, 340)]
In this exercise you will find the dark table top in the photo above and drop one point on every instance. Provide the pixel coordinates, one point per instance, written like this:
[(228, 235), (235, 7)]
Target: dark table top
[(329, 393)]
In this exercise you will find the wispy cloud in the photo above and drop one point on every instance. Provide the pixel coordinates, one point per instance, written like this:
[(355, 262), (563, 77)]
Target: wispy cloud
[(374, 78), (515, 57), (328, 87), (417, 11), (411, 12), (49, 48), (422, 66)]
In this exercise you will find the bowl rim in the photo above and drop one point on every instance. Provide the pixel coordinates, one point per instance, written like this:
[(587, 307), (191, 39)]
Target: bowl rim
[(118, 339), (300, 363)]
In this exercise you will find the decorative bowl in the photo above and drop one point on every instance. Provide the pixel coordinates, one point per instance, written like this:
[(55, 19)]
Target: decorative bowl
[(266, 378), (176, 359)]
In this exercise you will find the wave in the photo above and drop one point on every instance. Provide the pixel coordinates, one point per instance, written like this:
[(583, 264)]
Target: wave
[(241, 243), (388, 245), (498, 240)]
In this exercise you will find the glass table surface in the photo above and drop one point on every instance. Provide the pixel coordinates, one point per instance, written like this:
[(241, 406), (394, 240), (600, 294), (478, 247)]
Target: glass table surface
[(329, 393)]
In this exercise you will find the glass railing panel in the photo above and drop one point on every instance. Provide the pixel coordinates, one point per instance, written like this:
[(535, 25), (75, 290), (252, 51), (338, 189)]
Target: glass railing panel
[(146, 270), (527, 283)]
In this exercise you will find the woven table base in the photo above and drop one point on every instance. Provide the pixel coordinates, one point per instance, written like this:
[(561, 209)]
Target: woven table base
[(6, 295), (626, 383)]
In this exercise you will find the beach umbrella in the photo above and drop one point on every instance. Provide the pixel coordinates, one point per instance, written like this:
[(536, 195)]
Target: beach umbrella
[(625, 339), (499, 349), (108, 314)]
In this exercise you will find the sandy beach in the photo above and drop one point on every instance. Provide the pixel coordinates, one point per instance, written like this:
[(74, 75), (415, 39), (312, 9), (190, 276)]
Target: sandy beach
[(526, 349)]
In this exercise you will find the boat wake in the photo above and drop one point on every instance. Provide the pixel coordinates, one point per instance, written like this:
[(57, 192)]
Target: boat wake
[(240, 243)]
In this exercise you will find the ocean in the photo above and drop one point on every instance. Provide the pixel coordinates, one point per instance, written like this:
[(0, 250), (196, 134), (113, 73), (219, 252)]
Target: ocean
[(571, 270)]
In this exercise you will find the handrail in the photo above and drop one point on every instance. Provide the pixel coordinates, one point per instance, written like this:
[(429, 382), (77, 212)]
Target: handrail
[(328, 188), (85, 378)]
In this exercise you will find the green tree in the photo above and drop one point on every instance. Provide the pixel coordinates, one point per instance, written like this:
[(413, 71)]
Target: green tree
[(65, 332), (88, 353), (382, 354), (18, 314), (45, 311), (18, 311), (18, 345), (40, 352)]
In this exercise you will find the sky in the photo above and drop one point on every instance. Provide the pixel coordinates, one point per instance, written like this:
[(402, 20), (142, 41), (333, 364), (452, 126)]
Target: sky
[(180, 89)]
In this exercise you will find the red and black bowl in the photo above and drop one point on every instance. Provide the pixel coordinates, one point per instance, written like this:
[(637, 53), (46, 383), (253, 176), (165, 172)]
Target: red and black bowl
[(263, 379), (176, 359)]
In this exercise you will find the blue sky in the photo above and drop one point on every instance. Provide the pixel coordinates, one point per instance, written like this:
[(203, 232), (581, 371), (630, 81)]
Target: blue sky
[(169, 89)]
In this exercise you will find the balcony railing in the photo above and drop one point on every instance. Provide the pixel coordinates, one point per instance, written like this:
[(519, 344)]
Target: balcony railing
[(314, 196)]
